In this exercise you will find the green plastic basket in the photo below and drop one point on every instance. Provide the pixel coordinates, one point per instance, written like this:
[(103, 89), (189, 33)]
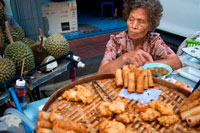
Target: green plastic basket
[(190, 42)]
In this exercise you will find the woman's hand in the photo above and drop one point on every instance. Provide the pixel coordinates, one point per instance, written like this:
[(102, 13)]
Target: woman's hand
[(137, 57)]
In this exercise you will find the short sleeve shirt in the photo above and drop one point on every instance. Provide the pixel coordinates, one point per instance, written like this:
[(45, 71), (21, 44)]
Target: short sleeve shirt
[(122, 43)]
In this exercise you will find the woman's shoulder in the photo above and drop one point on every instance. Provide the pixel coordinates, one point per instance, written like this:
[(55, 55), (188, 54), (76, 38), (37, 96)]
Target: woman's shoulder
[(120, 35)]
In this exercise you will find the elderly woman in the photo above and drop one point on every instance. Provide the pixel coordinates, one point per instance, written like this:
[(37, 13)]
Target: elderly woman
[(139, 44)]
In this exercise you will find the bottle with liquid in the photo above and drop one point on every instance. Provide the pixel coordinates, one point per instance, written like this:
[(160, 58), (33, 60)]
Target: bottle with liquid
[(20, 90)]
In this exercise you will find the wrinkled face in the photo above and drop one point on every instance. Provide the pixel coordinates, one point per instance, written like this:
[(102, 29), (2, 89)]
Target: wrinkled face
[(138, 23)]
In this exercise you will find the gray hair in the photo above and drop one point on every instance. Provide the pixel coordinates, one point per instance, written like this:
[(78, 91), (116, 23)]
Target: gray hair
[(153, 7)]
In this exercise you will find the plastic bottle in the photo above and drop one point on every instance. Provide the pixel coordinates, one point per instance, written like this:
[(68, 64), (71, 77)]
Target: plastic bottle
[(20, 90)]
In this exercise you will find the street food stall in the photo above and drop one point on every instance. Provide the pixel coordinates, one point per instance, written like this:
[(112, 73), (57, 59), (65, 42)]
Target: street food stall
[(149, 98)]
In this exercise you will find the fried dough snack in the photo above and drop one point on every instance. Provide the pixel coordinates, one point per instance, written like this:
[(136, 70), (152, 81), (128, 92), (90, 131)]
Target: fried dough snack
[(111, 127), (117, 106), (150, 114), (168, 120), (104, 110), (108, 108), (57, 124), (43, 130), (84, 94), (42, 115), (125, 117), (80, 93), (60, 130), (70, 95), (163, 108)]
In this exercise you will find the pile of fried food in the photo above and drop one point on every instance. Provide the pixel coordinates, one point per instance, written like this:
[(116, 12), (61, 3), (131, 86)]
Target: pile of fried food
[(117, 114), (160, 111), (134, 79), (55, 123), (78, 93), (190, 110)]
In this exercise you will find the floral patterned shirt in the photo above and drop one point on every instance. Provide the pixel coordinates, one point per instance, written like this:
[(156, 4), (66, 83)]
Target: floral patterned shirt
[(122, 43)]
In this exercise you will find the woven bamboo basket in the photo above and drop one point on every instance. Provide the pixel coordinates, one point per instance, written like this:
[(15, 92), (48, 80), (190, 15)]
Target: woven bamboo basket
[(87, 113)]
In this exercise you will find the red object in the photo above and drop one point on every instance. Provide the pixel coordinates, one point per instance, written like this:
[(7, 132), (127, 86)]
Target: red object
[(179, 83), (72, 74), (141, 107)]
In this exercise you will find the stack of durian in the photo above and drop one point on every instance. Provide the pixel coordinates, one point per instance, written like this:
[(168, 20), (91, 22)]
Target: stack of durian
[(14, 47)]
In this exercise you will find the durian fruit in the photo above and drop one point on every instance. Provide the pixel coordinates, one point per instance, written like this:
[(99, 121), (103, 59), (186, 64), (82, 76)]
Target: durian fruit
[(17, 51), (28, 41), (7, 69), (56, 45), (17, 34), (39, 51), (49, 66)]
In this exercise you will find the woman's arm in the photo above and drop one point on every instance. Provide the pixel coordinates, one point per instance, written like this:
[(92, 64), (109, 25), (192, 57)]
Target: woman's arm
[(109, 67), (137, 57), (171, 60)]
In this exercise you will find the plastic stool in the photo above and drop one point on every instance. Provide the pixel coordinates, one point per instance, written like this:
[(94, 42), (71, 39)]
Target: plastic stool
[(107, 3)]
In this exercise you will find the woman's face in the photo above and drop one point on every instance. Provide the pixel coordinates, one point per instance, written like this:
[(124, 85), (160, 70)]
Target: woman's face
[(138, 23)]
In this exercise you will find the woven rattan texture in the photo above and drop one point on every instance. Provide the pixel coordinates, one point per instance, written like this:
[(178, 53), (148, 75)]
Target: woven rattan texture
[(88, 115)]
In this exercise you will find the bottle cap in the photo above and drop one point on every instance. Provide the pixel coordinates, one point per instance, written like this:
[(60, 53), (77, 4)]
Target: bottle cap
[(20, 82), (80, 65)]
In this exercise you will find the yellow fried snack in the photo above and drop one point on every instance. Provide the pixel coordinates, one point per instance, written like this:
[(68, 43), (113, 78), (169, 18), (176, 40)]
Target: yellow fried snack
[(42, 115), (79, 93), (104, 110), (44, 124), (111, 127), (118, 77), (70, 95), (168, 120), (149, 115), (118, 106), (43, 130), (163, 108), (84, 94), (125, 117)]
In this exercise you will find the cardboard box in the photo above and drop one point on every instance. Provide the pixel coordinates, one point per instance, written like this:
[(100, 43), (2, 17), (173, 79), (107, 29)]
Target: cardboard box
[(60, 17)]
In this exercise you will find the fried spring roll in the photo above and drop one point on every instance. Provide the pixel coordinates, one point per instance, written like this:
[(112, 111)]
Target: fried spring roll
[(42, 115), (70, 125), (44, 124), (118, 77), (190, 105), (150, 79), (194, 96), (43, 130), (140, 83), (125, 72), (193, 120), (125, 67), (138, 71), (132, 67), (58, 130), (131, 82), (146, 82), (191, 112), (54, 116)]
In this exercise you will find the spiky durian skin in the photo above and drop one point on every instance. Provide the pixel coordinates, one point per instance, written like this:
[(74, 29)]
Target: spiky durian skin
[(7, 69), (56, 45), (18, 51), (17, 34), (28, 41)]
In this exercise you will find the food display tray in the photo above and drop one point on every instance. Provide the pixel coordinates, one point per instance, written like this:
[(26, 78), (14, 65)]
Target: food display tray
[(87, 113)]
